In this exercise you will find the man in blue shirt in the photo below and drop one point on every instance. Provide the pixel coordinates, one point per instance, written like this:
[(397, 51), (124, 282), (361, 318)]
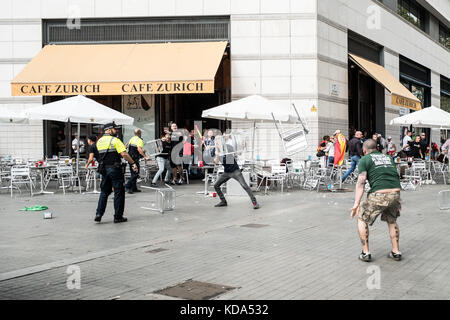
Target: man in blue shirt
[(231, 170)]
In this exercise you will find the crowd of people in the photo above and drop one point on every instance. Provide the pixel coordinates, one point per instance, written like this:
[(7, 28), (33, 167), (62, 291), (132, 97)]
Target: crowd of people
[(178, 152), (416, 146)]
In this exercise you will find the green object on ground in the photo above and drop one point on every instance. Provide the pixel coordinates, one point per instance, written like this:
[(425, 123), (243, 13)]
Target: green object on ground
[(34, 208)]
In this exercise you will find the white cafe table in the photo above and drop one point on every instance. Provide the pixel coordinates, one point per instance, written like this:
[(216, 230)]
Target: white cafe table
[(42, 170), (264, 161), (92, 170)]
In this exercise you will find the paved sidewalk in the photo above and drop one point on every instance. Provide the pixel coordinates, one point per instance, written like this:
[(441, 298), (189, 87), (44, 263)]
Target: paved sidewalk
[(307, 248)]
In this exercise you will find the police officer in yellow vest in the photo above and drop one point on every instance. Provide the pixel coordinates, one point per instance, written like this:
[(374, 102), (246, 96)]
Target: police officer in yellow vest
[(110, 150), (136, 152)]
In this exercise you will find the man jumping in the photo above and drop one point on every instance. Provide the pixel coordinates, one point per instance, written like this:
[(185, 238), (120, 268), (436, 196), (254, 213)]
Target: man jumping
[(383, 198)]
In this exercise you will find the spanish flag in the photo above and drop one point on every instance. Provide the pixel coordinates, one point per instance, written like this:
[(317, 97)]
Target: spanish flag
[(339, 149)]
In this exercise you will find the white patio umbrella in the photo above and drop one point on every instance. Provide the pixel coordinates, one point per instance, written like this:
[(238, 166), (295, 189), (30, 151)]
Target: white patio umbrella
[(78, 109), (15, 113), (9, 116), (431, 117), (254, 108)]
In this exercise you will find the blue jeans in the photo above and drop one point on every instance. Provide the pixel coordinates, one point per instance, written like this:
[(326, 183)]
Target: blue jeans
[(330, 161), (163, 163), (355, 161), (112, 179), (131, 184)]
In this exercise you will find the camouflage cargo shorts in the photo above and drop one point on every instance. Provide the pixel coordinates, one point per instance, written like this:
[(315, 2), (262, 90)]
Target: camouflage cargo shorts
[(387, 204)]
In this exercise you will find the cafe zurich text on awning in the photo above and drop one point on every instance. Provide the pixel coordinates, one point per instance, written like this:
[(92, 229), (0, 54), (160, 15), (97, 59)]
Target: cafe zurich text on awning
[(400, 96), (121, 69)]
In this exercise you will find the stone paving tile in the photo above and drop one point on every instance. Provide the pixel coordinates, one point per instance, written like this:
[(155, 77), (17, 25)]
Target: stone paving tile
[(305, 252)]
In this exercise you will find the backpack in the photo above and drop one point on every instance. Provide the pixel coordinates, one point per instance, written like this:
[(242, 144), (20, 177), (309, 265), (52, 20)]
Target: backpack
[(321, 153)]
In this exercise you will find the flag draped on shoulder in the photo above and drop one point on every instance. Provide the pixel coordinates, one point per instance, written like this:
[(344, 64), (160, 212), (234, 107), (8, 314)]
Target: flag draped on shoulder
[(339, 149)]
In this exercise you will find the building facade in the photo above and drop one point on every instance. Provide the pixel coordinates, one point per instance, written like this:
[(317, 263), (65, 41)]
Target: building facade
[(290, 51)]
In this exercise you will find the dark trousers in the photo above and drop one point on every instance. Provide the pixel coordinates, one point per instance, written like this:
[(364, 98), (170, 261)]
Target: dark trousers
[(236, 175), (131, 184), (112, 179)]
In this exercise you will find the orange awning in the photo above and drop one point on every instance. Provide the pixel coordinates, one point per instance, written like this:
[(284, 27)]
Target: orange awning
[(121, 69), (400, 96)]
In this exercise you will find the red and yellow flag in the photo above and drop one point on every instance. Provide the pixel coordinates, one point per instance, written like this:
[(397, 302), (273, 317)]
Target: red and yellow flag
[(339, 149)]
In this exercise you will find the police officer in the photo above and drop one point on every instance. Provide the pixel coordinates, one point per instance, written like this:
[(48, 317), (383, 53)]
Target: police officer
[(136, 151), (110, 150)]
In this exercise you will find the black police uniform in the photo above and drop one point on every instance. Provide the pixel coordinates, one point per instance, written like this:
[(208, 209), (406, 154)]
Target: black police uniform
[(109, 149)]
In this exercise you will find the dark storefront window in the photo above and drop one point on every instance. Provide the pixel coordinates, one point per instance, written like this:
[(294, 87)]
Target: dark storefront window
[(366, 96), (411, 11), (416, 78), (445, 103), (444, 36)]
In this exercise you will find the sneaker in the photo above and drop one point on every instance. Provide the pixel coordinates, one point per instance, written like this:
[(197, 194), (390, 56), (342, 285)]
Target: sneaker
[(154, 185), (255, 205), (121, 219), (395, 256), (98, 218), (172, 183), (129, 191), (221, 204), (366, 257), (137, 190)]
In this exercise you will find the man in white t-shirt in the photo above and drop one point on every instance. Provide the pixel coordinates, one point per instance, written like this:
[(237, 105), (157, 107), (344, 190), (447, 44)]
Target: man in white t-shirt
[(75, 144), (406, 139)]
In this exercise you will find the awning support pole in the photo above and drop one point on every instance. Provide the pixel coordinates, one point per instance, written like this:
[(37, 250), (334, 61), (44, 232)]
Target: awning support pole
[(253, 140), (78, 147)]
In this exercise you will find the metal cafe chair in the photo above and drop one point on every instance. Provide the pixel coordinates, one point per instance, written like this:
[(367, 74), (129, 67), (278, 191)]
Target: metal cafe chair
[(440, 172), (51, 174), (20, 174), (5, 175), (277, 175), (261, 175), (186, 174), (315, 178), (411, 179), (65, 174), (420, 168)]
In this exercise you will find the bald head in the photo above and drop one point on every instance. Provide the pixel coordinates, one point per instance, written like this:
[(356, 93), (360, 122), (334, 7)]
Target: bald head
[(137, 132), (358, 134), (369, 146)]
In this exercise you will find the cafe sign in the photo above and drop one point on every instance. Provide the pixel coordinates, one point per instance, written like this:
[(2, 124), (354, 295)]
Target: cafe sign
[(112, 88), (406, 102)]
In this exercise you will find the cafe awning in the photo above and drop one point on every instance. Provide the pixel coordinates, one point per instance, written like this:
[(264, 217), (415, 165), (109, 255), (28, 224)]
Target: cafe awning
[(400, 96), (121, 69)]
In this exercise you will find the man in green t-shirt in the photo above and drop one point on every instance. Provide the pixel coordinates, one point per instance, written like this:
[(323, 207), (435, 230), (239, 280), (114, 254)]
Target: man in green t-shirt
[(383, 198)]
